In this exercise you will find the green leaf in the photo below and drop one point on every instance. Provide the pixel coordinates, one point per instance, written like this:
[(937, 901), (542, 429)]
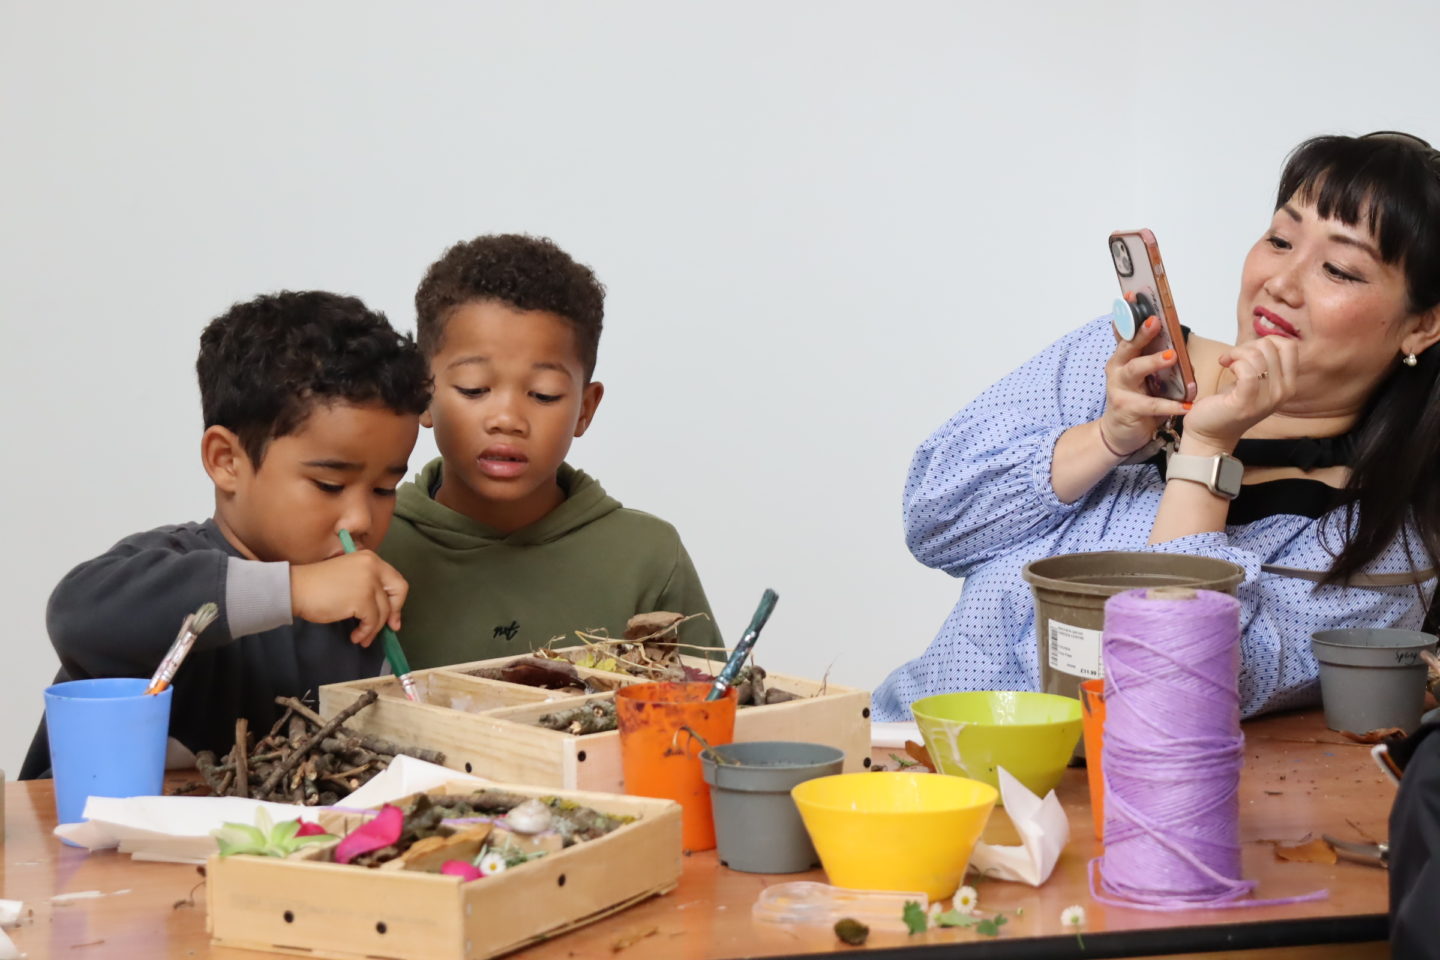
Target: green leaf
[(299, 842), (285, 832), (236, 838), (991, 928), (954, 918), (250, 834), (914, 917), (263, 821)]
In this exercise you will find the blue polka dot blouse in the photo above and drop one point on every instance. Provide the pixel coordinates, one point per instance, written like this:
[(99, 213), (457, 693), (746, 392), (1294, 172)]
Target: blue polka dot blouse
[(979, 505)]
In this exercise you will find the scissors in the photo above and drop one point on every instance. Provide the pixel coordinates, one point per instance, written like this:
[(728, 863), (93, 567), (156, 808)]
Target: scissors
[(1372, 854)]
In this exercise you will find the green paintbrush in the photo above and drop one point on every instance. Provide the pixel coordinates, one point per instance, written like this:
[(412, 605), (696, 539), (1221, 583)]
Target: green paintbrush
[(393, 654)]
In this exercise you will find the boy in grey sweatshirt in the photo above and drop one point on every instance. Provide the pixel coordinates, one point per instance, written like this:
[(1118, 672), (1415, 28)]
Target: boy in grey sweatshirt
[(311, 404)]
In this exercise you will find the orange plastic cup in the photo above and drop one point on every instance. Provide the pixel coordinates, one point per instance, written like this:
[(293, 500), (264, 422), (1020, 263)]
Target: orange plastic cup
[(659, 756), (1092, 702)]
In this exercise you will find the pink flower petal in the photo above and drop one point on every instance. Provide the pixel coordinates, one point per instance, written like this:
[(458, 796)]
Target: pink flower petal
[(308, 829), (459, 868), (379, 832)]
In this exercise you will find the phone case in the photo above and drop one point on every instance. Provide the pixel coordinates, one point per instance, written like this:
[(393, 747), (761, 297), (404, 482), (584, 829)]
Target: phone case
[(1136, 258)]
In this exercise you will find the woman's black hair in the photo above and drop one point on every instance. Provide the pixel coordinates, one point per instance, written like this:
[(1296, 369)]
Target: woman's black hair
[(1388, 183)]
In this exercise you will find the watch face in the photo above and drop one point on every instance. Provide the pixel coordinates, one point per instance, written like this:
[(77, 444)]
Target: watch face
[(1228, 474)]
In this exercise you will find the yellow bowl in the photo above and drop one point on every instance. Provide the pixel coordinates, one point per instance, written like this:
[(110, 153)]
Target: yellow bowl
[(972, 734), (894, 831)]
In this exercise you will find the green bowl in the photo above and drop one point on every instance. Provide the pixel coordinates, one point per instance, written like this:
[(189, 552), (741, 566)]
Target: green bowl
[(974, 734)]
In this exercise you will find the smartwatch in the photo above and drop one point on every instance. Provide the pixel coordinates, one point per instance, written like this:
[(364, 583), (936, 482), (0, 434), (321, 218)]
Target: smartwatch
[(1220, 474)]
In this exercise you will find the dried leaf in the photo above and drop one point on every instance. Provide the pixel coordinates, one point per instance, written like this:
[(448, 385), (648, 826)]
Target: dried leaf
[(1309, 850), (630, 939), (655, 625), (1374, 736), (919, 754)]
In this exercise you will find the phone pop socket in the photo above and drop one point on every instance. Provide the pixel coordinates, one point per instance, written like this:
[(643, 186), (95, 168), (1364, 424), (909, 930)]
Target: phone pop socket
[(1127, 314)]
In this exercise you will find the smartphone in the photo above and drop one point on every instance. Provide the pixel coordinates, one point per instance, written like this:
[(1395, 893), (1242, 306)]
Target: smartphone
[(1146, 293)]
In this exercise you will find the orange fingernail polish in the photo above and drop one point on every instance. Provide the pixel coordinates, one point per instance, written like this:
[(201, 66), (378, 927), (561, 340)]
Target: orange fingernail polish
[(1168, 355), (1187, 406), (1150, 323)]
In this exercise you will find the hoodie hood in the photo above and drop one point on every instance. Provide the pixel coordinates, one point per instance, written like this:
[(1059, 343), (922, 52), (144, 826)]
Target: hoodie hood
[(585, 502)]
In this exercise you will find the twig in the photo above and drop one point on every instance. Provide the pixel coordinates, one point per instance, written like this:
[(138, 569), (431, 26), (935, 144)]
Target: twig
[(242, 764), (372, 743), (205, 763), (304, 747)]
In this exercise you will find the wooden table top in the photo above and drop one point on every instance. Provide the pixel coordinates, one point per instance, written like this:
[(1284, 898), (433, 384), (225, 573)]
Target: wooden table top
[(1299, 779)]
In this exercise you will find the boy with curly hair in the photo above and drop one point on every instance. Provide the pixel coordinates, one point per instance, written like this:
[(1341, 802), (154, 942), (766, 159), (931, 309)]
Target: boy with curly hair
[(311, 404), (505, 545)]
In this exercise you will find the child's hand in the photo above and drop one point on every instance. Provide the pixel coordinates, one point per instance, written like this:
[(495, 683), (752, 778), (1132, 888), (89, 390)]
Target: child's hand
[(358, 585)]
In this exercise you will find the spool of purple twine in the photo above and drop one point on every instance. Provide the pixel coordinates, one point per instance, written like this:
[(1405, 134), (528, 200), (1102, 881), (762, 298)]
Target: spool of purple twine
[(1173, 751)]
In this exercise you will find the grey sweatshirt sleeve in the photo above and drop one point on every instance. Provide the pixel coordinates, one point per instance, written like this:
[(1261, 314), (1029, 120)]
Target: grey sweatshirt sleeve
[(117, 614), (257, 596)]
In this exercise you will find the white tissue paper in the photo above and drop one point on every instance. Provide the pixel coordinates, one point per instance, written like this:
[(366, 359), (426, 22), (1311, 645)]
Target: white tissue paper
[(1044, 830), (177, 829), (894, 734), (9, 916)]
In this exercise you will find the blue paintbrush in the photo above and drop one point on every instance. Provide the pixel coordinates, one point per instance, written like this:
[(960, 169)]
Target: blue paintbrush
[(746, 644)]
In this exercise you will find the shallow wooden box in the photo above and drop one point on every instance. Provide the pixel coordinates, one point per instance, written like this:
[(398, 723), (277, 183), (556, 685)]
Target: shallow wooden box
[(486, 726), (320, 909)]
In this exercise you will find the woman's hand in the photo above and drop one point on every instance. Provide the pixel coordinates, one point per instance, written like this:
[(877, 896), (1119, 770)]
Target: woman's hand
[(1132, 415), (1264, 377)]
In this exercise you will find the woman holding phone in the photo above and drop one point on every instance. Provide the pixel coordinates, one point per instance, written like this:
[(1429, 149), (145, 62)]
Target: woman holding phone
[(1312, 444)]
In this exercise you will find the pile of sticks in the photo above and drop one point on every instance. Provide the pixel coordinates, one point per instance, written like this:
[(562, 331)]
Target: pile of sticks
[(304, 759)]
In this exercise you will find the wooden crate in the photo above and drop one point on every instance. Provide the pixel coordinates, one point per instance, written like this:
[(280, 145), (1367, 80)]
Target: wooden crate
[(504, 743), (313, 908)]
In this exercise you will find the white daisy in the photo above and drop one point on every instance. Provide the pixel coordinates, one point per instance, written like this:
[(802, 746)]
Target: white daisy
[(1073, 916), (491, 863), (966, 900)]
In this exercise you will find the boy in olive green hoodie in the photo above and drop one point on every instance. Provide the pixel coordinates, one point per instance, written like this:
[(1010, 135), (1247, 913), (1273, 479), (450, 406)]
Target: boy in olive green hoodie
[(505, 546)]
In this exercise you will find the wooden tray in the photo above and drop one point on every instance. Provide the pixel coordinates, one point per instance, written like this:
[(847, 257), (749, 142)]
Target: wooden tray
[(503, 742), (320, 909)]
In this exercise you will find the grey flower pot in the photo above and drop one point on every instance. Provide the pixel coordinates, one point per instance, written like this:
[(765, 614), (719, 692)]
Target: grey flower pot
[(1371, 679), (757, 827)]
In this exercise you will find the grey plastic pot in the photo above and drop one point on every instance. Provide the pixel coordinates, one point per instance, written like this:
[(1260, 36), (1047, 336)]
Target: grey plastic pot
[(1371, 678), (757, 827)]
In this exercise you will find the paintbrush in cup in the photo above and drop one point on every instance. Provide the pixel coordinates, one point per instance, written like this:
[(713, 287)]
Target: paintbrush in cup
[(393, 654), (743, 648), (193, 625)]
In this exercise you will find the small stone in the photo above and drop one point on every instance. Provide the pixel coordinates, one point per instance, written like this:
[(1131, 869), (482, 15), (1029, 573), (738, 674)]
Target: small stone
[(852, 931)]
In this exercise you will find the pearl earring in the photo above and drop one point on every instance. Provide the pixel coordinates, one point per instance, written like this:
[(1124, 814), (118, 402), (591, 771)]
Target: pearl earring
[(1409, 360)]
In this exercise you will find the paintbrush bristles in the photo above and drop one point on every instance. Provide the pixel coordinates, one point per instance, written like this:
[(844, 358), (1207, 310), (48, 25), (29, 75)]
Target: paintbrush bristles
[(204, 617)]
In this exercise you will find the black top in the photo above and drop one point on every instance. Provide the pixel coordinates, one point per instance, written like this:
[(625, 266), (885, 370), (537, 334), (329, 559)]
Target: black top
[(1298, 496)]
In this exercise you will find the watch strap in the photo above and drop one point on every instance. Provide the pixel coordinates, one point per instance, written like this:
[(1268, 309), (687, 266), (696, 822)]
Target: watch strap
[(1220, 474)]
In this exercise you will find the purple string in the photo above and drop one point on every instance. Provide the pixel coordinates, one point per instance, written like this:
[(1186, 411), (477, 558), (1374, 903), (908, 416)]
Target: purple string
[(1172, 754)]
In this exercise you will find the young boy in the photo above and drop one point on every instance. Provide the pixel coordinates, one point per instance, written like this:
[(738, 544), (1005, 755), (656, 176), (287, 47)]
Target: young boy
[(311, 406), (505, 545)]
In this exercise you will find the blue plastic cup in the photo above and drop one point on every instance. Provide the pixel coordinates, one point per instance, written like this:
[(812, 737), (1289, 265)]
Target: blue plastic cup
[(107, 739)]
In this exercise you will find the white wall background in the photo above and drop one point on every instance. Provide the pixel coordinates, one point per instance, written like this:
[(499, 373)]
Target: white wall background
[(823, 225)]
